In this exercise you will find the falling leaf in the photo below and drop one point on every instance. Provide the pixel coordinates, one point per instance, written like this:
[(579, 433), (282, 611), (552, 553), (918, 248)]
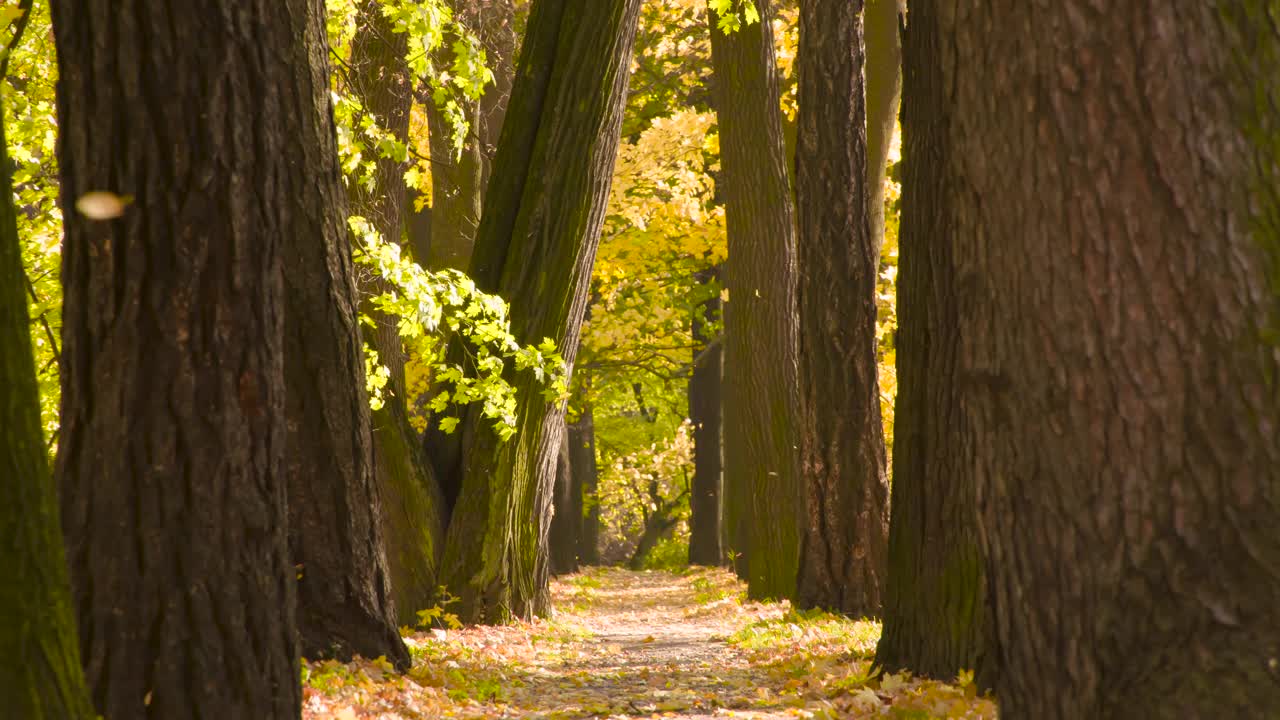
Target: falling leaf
[(101, 205)]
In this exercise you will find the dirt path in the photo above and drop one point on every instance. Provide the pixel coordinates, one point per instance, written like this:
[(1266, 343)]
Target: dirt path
[(656, 647), (639, 645)]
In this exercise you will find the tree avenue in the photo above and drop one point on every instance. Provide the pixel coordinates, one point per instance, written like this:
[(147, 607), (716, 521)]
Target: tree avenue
[(830, 358)]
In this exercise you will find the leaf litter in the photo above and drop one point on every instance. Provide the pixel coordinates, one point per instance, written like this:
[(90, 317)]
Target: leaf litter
[(624, 645)]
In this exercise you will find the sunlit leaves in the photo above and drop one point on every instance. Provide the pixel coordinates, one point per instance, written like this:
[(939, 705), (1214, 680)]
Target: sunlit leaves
[(430, 307), (733, 14)]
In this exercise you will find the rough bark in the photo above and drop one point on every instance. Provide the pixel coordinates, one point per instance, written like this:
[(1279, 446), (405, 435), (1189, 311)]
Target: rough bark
[(884, 93), (705, 512), (40, 674), (845, 537), (536, 245), (933, 606), (411, 515), (345, 603), (566, 521), (761, 402), (582, 459), (1116, 205), (170, 461)]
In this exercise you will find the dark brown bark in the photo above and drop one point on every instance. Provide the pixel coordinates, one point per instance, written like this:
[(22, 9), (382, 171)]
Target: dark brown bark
[(536, 245), (566, 521), (411, 520), (761, 402), (704, 412), (582, 460), (933, 607), (335, 535), (40, 674), (1116, 206), (845, 537), (173, 424)]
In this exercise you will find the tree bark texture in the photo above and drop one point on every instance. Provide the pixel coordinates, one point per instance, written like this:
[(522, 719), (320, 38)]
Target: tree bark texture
[(566, 522), (40, 674), (1116, 203), (582, 460), (705, 390), (412, 508), (934, 613), (536, 246), (884, 93), (845, 536), (173, 438), (345, 603), (761, 401)]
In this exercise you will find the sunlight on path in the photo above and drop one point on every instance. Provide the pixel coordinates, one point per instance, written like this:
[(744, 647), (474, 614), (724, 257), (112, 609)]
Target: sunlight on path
[(637, 645)]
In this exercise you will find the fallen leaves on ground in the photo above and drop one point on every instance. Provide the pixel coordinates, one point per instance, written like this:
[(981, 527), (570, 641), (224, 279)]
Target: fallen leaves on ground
[(641, 645)]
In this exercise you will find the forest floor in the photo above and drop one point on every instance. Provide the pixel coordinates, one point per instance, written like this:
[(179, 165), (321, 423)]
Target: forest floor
[(641, 645)]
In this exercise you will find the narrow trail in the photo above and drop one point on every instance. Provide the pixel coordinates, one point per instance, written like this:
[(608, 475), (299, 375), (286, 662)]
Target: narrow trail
[(655, 648), (628, 645)]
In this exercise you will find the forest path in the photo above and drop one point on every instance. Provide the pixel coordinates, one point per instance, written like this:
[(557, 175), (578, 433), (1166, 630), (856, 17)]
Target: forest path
[(628, 644)]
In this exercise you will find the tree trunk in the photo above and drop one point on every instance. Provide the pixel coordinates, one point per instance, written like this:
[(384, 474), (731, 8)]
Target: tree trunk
[(655, 528), (582, 460), (458, 182), (761, 402), (933, 607), (40, 674), (345, 603), (411, 517), (704, 412), (845, 538), (1117, 246), (173, 438), (884, 93), (536, 246), (456, 189), (566, 522)]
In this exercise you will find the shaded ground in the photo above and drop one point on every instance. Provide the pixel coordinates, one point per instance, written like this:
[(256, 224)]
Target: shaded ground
[(631, 645)]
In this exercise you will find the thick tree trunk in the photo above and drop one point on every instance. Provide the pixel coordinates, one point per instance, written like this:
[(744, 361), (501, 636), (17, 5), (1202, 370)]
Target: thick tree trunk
[(411, 516), (173, 437), (335, 529), (40, 674), (704, 412), (761, 402), (845, 537), (933, 607), (884, 93), (1117, 243), (582, 460), (566, 522), (536, 246)]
